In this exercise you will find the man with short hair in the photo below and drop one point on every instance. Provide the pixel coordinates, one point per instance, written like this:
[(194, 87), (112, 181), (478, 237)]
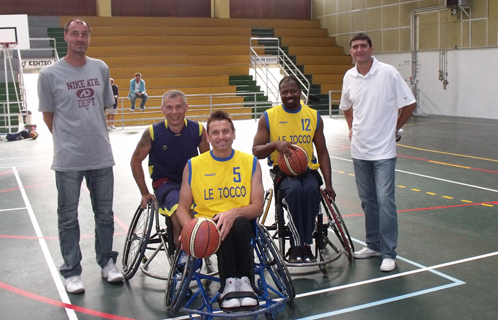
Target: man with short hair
[(226, 185), (72, 95), (376, 103), (137, 90), (278, 129), (169, 145)]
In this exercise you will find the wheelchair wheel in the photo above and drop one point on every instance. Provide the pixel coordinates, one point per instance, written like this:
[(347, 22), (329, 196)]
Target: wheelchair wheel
[(338, 225), (137, 239), (275, 264), (178, 282)]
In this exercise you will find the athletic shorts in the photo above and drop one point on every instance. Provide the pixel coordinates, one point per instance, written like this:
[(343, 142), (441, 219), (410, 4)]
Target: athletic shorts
[(168, 196), (111, 110)]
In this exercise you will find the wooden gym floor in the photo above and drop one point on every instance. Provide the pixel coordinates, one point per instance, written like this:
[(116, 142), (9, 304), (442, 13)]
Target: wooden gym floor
[(447, 199)]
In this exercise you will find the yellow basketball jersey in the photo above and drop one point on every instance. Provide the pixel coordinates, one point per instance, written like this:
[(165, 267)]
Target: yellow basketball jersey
[(220, 184), (297, 127)]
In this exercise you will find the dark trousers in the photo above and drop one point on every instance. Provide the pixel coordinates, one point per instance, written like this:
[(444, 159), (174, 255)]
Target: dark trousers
[(236, 255), (301, 197)]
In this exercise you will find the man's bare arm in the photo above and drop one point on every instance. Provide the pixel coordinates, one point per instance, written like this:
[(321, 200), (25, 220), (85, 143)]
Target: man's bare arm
[(141, 152)]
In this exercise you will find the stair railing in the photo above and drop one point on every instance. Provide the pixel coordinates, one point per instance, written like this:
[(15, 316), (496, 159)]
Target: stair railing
[(284, 62)]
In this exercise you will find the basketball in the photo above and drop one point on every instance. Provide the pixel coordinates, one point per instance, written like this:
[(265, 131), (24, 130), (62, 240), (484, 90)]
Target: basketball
[(33, 135), (295, 163), (200, 238)]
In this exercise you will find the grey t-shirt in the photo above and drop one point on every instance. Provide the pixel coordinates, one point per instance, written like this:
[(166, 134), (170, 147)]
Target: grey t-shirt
[(77, 96)]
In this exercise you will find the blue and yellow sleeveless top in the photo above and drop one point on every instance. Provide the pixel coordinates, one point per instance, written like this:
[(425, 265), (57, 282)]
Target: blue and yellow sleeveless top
[(171, 151), (220, 184), (297, 127)]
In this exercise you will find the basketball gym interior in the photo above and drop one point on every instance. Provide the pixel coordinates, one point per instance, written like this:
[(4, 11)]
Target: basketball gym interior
[(230, 55)]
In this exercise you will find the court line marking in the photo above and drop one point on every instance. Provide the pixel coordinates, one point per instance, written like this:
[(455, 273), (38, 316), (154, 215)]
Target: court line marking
[(448, 153), (456, 282), (46, 253), (430, 177), (13, 209)]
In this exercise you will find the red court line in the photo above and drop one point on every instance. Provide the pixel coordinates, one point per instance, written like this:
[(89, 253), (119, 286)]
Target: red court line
[(51, 237), (450, 164), (62, 304), (453, 206), (431, 208), (25, 187)]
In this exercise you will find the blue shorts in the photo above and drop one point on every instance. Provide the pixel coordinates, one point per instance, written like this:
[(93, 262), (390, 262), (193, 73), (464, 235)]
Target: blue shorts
[(168, 196)]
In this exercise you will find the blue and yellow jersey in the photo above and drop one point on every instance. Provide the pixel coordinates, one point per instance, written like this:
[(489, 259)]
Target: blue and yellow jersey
[(297, 127), (171, 151), (221, 184)]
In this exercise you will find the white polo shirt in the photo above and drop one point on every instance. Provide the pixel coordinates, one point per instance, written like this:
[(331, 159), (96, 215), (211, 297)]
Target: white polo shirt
[(375, 98)]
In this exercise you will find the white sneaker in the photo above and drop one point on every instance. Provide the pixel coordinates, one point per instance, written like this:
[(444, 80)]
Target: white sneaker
[(231, 285), (366, 252), (111, 272), (113, 127), (74, 285), (245, 286), (388, 265)]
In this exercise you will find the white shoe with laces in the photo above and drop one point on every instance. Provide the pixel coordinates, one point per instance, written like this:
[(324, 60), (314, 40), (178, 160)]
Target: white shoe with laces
[(366, 252), (388, 265), (111, 272), (231, 285), (245, 286), (74, 285)]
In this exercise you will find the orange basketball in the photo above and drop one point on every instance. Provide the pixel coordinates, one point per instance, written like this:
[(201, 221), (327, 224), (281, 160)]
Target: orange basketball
[(295, 163), (200, 238)]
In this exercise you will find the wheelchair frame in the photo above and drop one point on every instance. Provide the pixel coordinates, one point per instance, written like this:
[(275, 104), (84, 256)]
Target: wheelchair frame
[(333, 222), (268, 261), (139, 240)]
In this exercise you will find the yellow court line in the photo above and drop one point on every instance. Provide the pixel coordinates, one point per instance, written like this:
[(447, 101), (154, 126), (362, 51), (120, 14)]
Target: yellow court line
[(431, 193), (449, 153), (447, 197), (466, 201), (449, 164), (487, 205)]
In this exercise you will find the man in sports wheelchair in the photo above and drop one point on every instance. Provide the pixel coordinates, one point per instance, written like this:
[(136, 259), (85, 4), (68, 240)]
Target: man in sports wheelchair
[(168, 144), (226, 185), (294, 123)]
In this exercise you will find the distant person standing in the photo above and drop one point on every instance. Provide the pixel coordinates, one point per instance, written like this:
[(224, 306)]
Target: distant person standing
[(373, 94), (137, 90), (72, 95), (113, 110)]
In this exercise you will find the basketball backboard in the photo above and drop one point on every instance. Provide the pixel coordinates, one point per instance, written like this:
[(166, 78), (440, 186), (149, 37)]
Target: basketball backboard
[(14, 28)]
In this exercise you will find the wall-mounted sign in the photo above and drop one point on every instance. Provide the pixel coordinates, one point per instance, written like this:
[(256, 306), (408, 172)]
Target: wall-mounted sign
[(36, 63)]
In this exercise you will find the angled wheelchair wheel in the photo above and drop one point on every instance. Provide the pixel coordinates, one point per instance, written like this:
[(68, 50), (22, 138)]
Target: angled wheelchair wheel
[(275, 264), (177, 288), (137, 239), (337, 224)]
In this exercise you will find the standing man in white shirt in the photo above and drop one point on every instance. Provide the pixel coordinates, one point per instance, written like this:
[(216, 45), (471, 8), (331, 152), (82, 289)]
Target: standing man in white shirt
[(376, 102)]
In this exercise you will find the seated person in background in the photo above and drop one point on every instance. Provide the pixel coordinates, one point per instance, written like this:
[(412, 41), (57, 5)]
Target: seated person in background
[(137, 89), (279, 128), (169, 144), (226, 185)]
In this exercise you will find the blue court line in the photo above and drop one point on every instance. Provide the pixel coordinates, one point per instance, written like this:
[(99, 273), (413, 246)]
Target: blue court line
[(380, 302), (456, 282)]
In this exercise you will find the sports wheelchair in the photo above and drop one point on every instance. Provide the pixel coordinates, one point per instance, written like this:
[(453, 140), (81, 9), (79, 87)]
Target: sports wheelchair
[(185, 291), (328, 219), (139, 240)]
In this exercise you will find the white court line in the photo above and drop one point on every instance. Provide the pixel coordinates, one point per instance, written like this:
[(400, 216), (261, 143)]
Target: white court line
[(455, 281), (13, 209), (430, 177), (30, 164), (46, 253)]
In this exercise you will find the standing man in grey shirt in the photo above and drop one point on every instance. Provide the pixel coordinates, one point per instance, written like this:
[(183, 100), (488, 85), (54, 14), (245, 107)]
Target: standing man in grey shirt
[(72, 95)]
